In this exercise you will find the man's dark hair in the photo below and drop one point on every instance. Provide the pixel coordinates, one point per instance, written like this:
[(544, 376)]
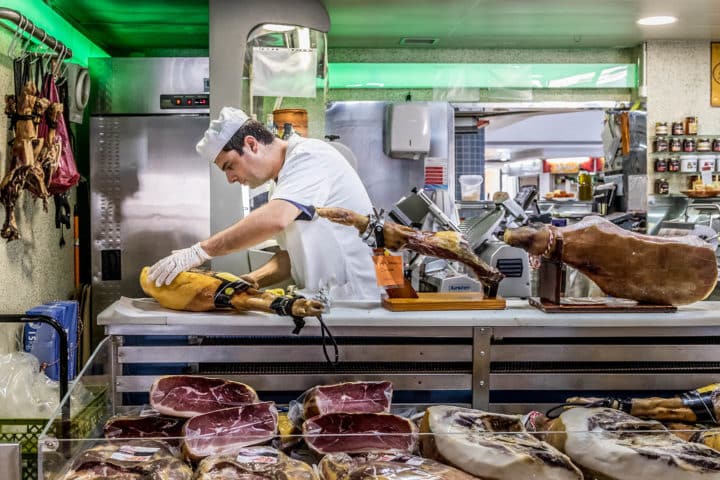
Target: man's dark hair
[(252, 128)]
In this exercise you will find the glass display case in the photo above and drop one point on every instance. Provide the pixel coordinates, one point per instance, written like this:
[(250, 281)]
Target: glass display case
[(362, 441)]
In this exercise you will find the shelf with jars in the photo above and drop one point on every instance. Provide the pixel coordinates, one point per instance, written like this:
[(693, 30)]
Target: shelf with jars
[(686, 144)]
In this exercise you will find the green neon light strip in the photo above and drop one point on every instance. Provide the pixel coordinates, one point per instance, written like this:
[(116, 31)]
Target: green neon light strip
[(481, 75), (44, 17)]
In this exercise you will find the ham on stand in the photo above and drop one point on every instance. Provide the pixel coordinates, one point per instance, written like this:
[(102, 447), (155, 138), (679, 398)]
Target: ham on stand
[(446, 244)]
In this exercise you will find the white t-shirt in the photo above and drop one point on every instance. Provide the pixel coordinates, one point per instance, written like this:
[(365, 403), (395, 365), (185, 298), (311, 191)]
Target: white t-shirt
[(325, 254)]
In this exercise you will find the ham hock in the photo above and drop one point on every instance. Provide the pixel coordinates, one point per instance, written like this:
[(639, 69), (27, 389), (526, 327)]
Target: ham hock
[(652, 270), (447, 245), (202, 291)]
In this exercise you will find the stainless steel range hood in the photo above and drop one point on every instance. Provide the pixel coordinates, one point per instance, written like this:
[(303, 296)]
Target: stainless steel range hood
[(522, 131)]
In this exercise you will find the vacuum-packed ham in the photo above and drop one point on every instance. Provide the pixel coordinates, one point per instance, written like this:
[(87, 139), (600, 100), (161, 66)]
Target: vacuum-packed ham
[(489, 445), (254, 463), (226, 431), (186, 395), (147, 426), (624, 264), (127, 460), (359, 433), (386, 466), (611, 444), (350, 397), (202, 291), (447, 245)]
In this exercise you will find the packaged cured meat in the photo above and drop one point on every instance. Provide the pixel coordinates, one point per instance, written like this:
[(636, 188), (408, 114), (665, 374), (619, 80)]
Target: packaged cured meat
[(624, 264), (348, 397), (143, 424), (386, 466), (489, 445), (226, 431), (608, 443), (127, 460), (257, 463), (189, 395), (359, 433)]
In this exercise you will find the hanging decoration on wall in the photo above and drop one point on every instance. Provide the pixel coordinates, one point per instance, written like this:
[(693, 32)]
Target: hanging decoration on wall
[(715, 74)]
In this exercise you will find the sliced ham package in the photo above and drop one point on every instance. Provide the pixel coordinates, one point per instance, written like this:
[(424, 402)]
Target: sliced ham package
[(186, 395)]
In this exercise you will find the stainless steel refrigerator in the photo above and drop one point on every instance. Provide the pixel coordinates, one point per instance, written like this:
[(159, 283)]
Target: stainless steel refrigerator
[(150, 192)]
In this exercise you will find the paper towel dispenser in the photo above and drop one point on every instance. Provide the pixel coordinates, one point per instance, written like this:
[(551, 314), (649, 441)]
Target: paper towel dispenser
[(407, 130)]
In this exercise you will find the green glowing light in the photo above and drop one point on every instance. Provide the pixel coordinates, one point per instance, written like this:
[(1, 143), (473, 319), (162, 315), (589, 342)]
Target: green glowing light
[(481, 75), (44, 17)]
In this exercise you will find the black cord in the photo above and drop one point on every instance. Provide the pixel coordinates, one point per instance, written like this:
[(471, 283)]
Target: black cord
[(325, 330)]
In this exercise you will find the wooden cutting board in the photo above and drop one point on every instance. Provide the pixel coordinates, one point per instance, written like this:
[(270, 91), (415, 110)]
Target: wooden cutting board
[(550, 307), (443, 301)]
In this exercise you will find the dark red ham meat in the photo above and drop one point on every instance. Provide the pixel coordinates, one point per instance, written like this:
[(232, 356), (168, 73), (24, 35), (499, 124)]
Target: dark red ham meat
[(226, 431), (350, 397), (147, 426), (186, 396), (359, 433)]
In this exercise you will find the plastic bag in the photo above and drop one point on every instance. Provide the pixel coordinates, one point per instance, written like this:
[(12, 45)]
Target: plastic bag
[(66, 175), (349, 397), (27, 393)]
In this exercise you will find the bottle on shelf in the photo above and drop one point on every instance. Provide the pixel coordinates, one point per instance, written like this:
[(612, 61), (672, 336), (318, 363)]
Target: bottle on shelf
[(584, 186)]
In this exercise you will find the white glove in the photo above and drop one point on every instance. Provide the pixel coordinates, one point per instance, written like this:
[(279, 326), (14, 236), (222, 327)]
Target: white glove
[(165, 270)]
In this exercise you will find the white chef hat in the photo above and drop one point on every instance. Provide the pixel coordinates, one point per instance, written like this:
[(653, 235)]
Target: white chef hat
[(220, 132)]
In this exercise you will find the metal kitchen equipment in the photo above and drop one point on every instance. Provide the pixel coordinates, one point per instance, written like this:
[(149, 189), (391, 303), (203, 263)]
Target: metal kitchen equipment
[(150, 193), (360, 126)]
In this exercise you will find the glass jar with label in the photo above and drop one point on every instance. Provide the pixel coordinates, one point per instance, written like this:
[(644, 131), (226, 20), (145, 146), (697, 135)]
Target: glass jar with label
[(676, 145), (661, 164), (716, 145), (689, 145), (678, 128), (661, 128), (673, 164), (703, 145), (691, 125), (662, 186), (661, 144)]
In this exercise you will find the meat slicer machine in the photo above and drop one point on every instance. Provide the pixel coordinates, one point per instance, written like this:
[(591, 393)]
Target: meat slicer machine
[(428, 274)]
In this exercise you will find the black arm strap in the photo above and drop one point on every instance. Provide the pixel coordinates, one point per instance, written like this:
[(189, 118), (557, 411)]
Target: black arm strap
[(227, 290)]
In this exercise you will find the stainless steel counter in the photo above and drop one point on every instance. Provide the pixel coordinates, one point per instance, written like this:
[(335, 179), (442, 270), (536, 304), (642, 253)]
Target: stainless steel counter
[(508, 361)]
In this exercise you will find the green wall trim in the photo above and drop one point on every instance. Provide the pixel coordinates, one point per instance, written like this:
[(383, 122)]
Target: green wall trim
[(482, 75), (46, 18)]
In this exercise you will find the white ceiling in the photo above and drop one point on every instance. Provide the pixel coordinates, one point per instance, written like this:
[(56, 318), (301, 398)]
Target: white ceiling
[(518, 23)]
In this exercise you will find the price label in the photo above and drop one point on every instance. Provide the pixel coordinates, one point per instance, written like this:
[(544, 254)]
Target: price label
[(389, 270)]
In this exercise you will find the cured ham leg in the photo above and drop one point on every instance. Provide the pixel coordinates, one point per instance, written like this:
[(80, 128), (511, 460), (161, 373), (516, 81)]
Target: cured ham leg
[(197, 291), (652, 270), (447, 245), (701, 405)]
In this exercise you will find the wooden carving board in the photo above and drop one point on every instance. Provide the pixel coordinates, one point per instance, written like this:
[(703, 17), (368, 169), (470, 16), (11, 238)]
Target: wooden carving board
[(443, 301), (550, 307)]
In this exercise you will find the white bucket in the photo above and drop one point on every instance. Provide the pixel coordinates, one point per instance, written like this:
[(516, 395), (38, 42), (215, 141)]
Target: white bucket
[(689, 163), (470, 187)]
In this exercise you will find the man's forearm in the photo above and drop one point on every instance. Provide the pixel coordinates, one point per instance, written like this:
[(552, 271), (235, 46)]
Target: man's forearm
[(274, 271), (263, 223)]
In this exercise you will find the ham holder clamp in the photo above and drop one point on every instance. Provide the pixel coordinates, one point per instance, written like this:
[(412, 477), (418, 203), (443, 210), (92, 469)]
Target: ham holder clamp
[(380, 234)]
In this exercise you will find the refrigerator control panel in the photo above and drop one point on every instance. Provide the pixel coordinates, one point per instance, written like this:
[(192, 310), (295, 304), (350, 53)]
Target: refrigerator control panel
[(201, 100)]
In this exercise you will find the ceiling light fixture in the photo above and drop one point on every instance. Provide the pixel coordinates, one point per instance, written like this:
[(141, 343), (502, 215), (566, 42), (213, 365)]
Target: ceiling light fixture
[(659, 20)]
